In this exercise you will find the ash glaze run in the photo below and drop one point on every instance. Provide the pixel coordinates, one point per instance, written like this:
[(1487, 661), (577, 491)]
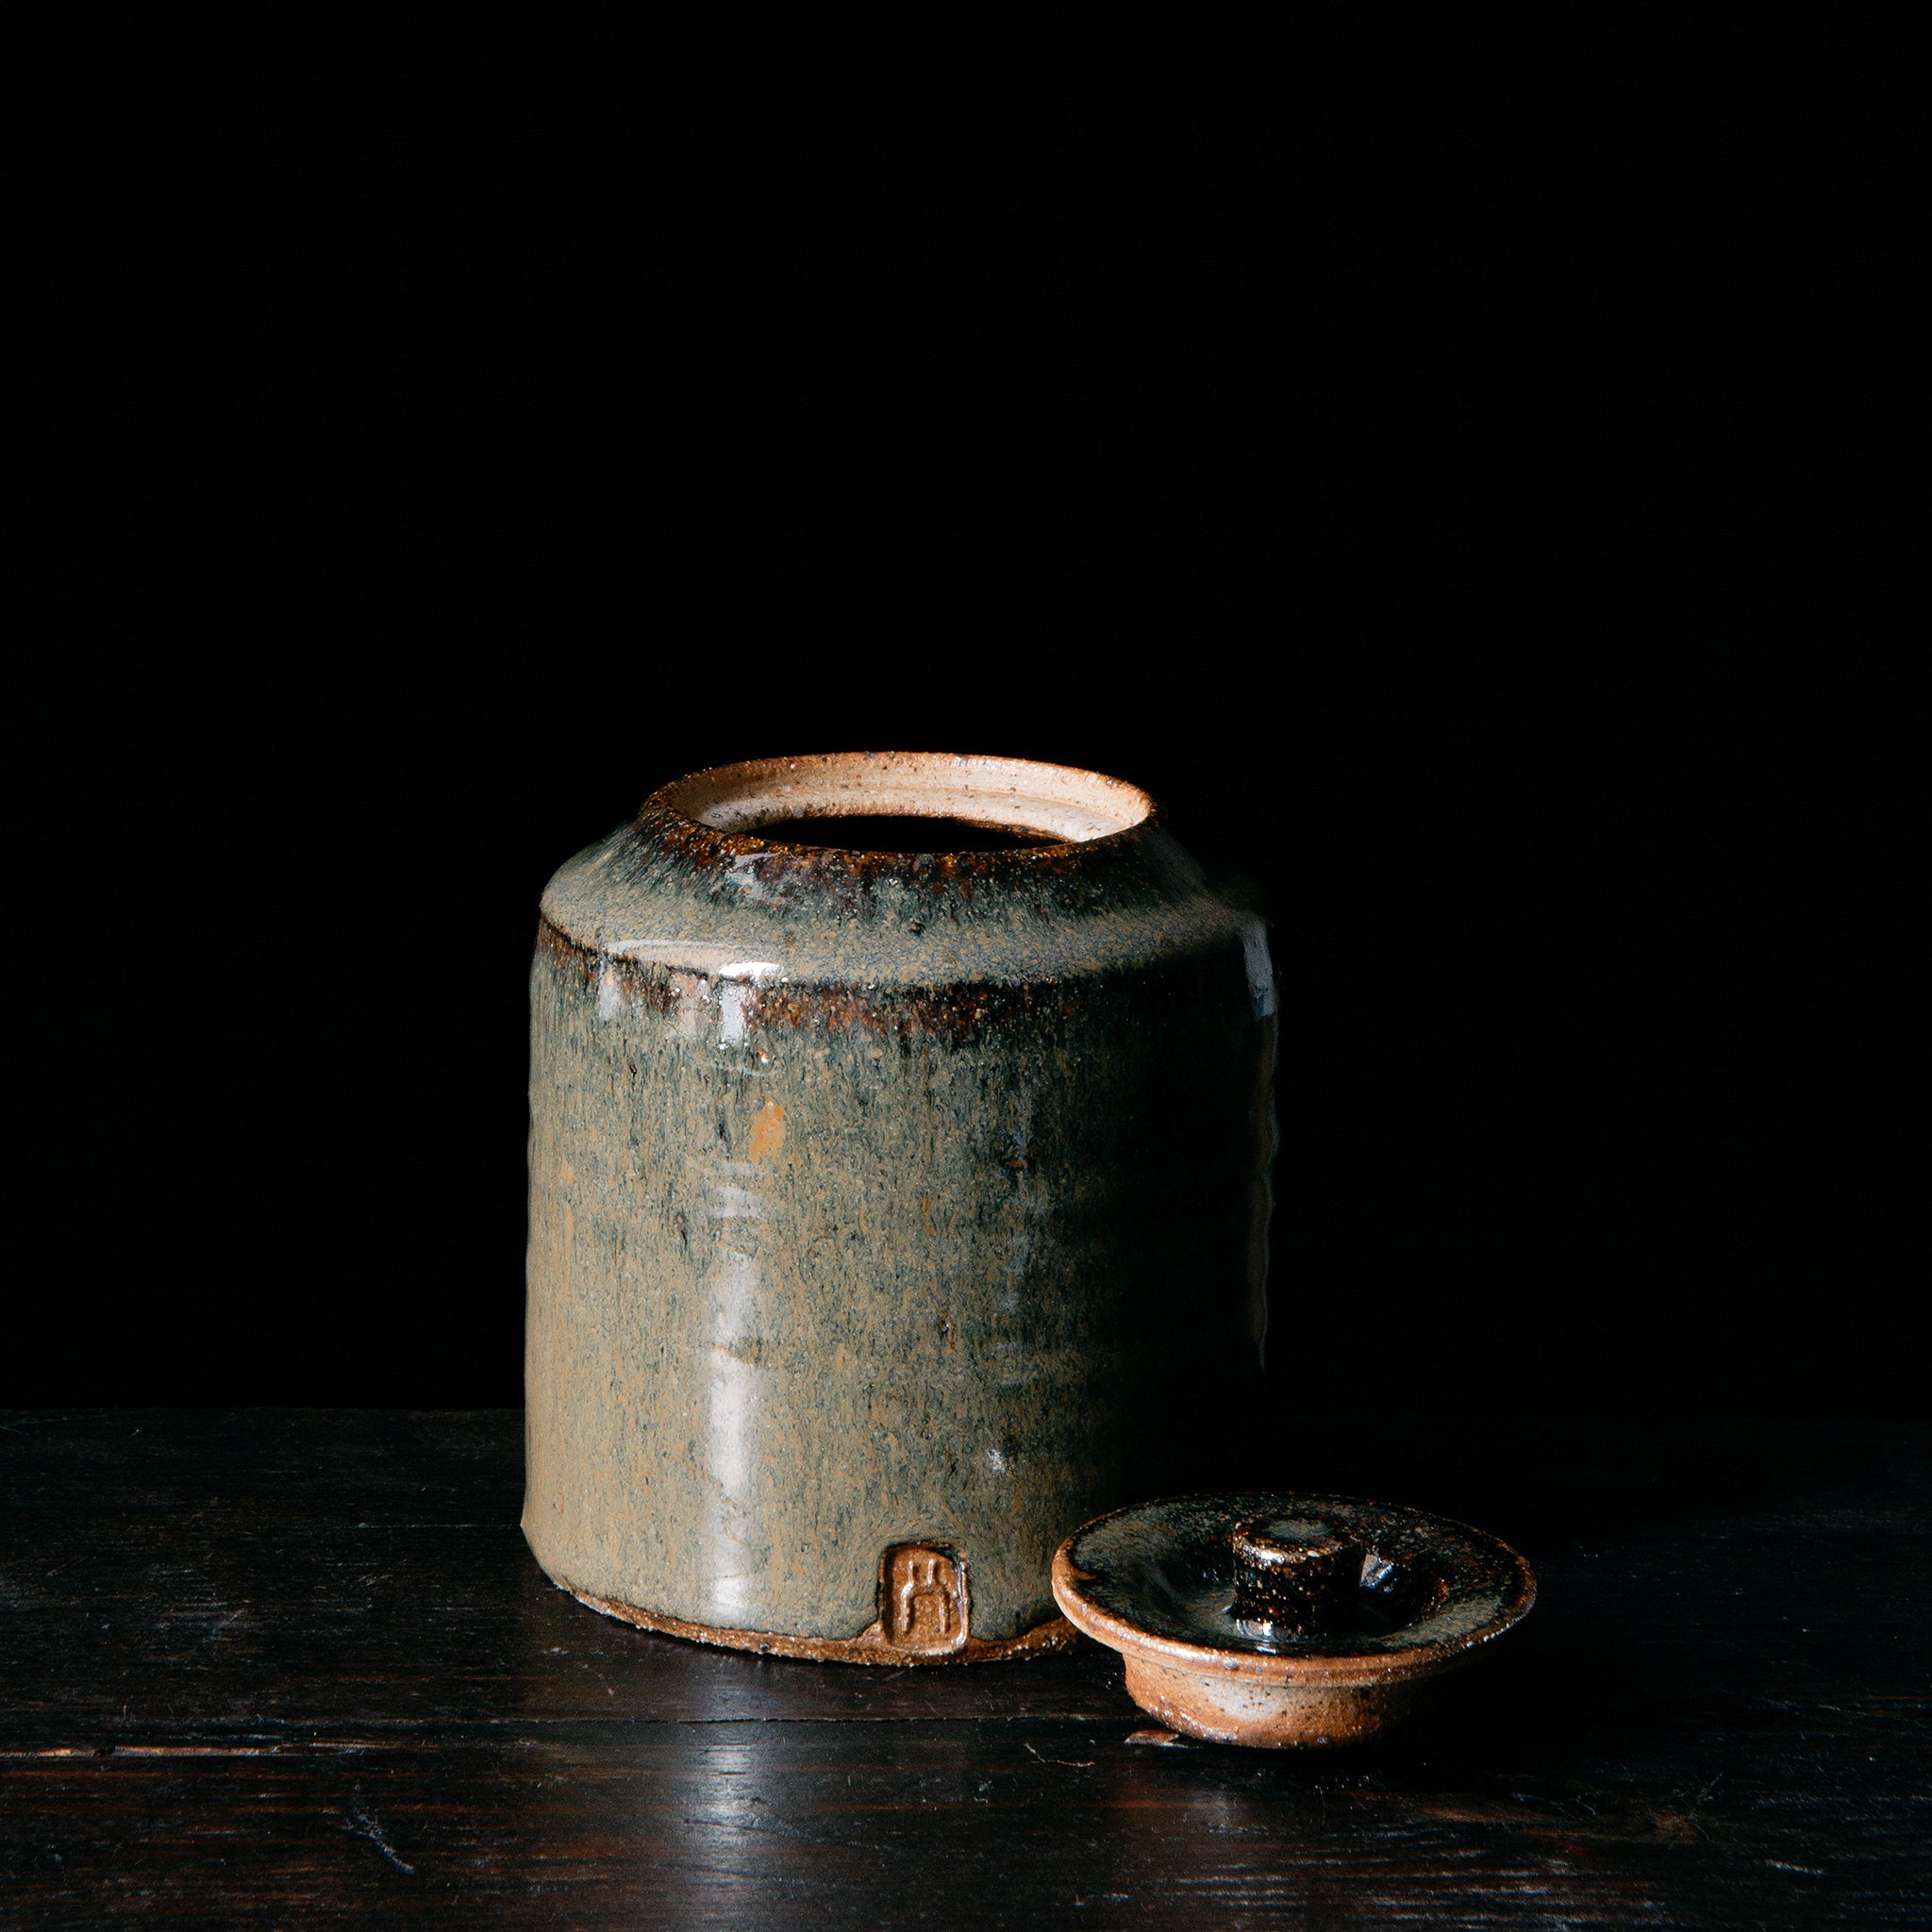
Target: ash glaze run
[(884, 1200)]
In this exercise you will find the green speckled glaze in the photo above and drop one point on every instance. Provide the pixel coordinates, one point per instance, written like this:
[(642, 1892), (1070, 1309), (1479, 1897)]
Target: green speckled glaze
[(881, 1199)]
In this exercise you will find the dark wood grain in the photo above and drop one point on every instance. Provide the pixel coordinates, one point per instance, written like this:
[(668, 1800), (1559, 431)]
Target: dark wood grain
[(288, 1668)]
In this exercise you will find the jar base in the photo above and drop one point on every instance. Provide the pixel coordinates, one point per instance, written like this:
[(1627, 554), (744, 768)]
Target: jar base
[(870, 1646)]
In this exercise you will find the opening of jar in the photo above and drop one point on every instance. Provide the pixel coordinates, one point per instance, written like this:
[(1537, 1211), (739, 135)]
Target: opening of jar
[(909, 802)]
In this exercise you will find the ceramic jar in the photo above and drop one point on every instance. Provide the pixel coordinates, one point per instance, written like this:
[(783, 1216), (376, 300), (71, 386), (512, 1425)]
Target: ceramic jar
[(891, 1212)]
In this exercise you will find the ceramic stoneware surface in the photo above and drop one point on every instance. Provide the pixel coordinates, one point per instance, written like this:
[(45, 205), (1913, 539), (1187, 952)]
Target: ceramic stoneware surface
[(891, 1212), (1288, 1621)]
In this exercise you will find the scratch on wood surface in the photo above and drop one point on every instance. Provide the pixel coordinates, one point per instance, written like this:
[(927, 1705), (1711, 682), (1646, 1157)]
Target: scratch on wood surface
[(1065, 1763), (362, 1822)]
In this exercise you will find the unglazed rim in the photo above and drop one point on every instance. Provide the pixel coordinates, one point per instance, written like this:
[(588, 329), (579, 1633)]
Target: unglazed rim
[(1061, 803), (869, 1647), (1309, 1670)]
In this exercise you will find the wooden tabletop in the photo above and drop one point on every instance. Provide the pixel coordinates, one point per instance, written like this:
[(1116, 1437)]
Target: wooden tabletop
[(296, 1668)]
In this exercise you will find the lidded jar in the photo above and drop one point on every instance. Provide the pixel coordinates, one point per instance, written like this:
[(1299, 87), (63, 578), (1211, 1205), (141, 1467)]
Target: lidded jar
[(893, 1213)]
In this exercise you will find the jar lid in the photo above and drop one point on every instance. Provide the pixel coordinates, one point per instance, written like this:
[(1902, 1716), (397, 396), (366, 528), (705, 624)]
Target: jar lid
[(1282, 1620)]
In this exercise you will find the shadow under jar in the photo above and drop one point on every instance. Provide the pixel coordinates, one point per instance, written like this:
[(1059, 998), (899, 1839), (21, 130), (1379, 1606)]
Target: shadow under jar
[(892, 1212)]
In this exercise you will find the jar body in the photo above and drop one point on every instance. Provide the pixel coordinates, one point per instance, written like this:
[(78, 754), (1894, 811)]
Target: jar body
[(886, 1224)]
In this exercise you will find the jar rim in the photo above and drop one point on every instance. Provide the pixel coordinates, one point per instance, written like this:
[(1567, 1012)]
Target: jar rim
[(1060, 803)]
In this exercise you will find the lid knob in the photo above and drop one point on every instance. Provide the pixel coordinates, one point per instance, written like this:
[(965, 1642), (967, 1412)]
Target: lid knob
[(1293, 1574)]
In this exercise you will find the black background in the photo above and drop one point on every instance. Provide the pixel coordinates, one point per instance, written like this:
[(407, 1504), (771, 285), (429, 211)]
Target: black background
[(1467, 483)]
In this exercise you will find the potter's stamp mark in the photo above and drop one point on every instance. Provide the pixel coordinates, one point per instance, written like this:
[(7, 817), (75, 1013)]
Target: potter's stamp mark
[(923, 1609)]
